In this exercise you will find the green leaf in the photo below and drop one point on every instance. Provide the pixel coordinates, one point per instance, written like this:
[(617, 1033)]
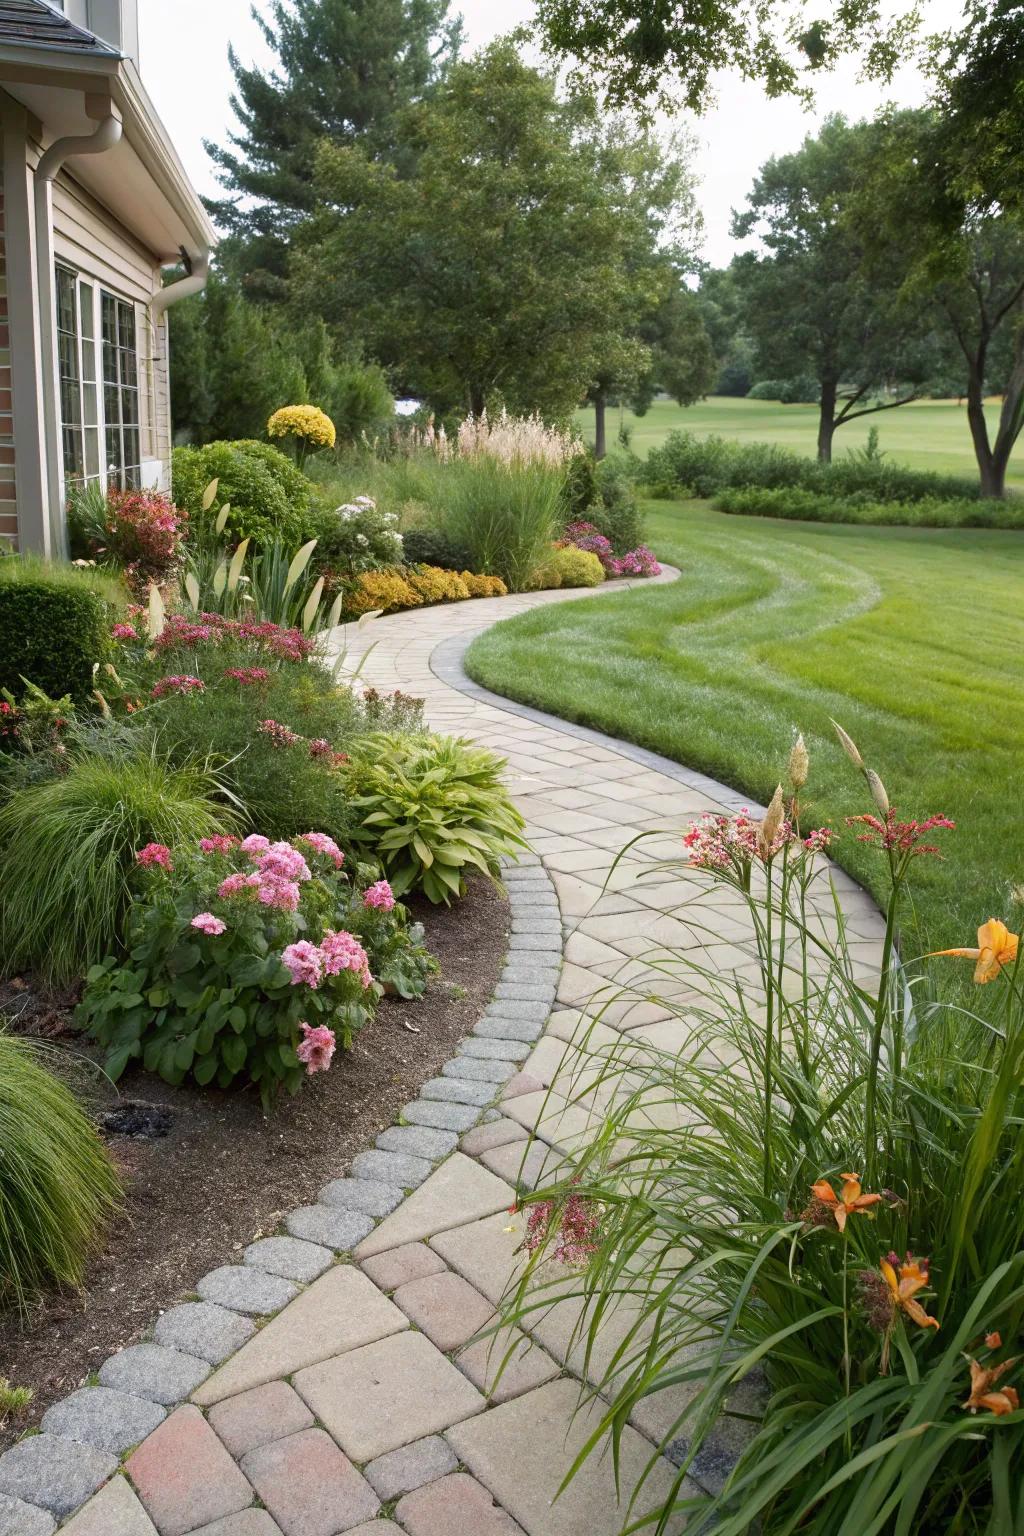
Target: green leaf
[(205, 1070)]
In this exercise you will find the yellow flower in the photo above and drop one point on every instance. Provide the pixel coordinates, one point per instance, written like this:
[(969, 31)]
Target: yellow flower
[(849, 1200), (913, 1277), (997, 947), (305, 422), (983, 1379)]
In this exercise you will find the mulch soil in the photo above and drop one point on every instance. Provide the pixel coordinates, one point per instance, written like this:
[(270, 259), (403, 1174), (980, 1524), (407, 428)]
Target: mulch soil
[(217, 1175)]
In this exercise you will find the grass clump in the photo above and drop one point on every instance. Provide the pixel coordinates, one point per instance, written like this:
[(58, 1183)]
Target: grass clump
[(57, 1183)]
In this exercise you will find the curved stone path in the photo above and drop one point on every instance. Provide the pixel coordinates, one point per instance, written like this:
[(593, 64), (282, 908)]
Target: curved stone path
[(331, 1383)]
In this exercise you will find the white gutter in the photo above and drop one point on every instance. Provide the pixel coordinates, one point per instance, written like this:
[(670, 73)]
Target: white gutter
[(106, 135), (184, 288)]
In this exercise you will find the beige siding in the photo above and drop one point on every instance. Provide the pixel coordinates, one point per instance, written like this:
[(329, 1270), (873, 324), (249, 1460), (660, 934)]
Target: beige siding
[(88, 238)]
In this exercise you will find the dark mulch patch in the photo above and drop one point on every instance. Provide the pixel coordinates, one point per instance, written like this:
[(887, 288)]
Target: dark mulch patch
[(205, 1173)]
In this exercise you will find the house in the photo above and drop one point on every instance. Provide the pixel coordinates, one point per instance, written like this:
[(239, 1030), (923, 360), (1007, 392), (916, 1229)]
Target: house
[(95, 206)]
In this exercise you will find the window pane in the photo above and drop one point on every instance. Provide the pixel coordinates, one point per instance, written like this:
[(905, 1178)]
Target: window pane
[(129, 370), (92, 452), (126, 327), (86, 299), (109, 318)]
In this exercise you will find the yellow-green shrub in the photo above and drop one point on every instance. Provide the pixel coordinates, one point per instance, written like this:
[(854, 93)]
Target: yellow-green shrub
[(435, 585), (380, 589), (484, 586), (577, 567)]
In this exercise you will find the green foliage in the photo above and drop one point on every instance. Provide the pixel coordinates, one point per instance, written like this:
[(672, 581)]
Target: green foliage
[(68, 847), (568, 567), (579, 488), (356, 536), (718, 1258), (54, 625), (504, 515), (802, 390), (432, 546), (432, 808), (815, 507), (225, 1007), (616, 512), (57, 1183), (712, 464), (269, 497)]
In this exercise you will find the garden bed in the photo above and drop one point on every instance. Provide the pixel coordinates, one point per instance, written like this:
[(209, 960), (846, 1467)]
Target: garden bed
[(222, 1175)]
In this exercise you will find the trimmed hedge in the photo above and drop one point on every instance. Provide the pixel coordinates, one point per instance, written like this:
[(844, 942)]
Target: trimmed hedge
[(706, 465), (812, 507), (55, 624)]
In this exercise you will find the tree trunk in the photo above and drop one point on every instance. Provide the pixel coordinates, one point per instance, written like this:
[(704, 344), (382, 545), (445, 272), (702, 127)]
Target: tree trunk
[(600, 426), (827, 420), (477, 402), (992, 472)]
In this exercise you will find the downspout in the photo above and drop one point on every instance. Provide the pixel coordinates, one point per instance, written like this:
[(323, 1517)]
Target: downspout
[(185, 288), (106, 135)]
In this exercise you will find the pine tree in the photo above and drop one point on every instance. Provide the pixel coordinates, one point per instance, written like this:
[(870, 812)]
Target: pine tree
[(344, 68)]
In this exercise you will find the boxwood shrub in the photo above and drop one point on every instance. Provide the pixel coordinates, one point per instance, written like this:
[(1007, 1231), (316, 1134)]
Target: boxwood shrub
[(269, 497), (55, 624)]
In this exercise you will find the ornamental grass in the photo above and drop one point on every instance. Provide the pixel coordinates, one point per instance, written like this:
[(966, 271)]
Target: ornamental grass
[(798, 1234)]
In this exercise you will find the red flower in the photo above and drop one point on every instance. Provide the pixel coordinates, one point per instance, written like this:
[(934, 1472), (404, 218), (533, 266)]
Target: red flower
[(900, 836)]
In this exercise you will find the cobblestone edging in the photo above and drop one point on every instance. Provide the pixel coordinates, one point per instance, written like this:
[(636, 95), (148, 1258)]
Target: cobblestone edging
[(46, 1477)]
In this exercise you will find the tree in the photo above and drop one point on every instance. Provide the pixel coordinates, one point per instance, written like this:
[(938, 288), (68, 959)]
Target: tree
[(719, 301), (496, 258), (964, 259), (643, 49), (809, 302), (682, 362), (344, 69)]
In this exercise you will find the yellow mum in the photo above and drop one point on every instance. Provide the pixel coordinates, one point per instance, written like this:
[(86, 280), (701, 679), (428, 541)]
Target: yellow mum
[(310, 427)]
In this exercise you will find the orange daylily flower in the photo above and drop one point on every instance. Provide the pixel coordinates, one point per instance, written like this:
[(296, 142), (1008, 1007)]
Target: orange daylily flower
[(997, 947), (913, 1277), (983, 1380), (847, 1201)]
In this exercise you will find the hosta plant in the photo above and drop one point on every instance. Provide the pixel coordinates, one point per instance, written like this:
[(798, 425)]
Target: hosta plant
[(241, 967), (432, 808), (803, 1225)]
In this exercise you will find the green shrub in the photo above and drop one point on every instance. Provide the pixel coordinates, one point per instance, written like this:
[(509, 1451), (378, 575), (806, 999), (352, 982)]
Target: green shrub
[(68, 848), (708, 465), (431, 808), (432, 546), (235, 954), (813, 506), (356, 536), (579, 488), (568, 567), (55, 625), (57, 1183), (269, 497), (802, 390), (616, 512), (504, 515)]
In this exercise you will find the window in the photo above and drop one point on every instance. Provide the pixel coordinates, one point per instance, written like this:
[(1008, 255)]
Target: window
[(97, 350)]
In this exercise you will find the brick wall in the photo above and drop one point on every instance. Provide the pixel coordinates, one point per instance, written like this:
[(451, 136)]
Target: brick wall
[(8, 496)]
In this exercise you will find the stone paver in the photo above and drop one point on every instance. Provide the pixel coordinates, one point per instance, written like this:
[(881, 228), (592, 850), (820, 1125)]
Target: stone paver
[(256, 1417), (375, 1399), (403, 1387), (341, 1310), (57, 1475), (454, 1506), (20, 1519), (459, 1191), (114, 1511), (309, 1487), (113, 1421), (185, 1477), (410, 1467)]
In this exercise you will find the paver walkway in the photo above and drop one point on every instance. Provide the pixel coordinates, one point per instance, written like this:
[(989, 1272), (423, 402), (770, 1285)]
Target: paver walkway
[(359, 1402)]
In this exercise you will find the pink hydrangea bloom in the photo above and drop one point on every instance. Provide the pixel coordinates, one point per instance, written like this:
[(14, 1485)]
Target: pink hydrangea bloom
[(282, 861), (317, 1047), (321, 843), (272, 891), (207, 923), (254, 844), (155, 853), (305, 962), (380, 896), (219, 843), (232, 885), (342, 952)]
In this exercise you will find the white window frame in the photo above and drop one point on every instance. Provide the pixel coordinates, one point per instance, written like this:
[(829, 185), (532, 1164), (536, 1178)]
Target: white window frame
[(90, 353)]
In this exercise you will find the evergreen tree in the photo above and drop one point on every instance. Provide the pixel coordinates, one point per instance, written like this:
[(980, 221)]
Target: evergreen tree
[(344, 68)]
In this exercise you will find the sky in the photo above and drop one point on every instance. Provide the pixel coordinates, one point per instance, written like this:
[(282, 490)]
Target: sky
[(184, 47)]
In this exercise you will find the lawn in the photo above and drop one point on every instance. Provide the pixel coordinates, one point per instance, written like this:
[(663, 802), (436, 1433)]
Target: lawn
[(930, 434), (911, 638)]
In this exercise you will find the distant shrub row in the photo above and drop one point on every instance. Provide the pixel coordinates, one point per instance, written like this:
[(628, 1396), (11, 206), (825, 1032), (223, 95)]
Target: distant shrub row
[(707, 465), (928, 512)]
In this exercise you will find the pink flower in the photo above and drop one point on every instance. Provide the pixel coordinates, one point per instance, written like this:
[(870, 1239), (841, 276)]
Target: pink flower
[(280, 735), (380, 896), (342, 952), (818, 841), (219, 843), (282, 861), (576, 1234), (305, 962), (272, 891), (317, 1048), (321, 843), (255, 844), (232, 885), (124, 632), (247, 676), (207, 923), (155, 853), (183, 685), (901, 836)]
